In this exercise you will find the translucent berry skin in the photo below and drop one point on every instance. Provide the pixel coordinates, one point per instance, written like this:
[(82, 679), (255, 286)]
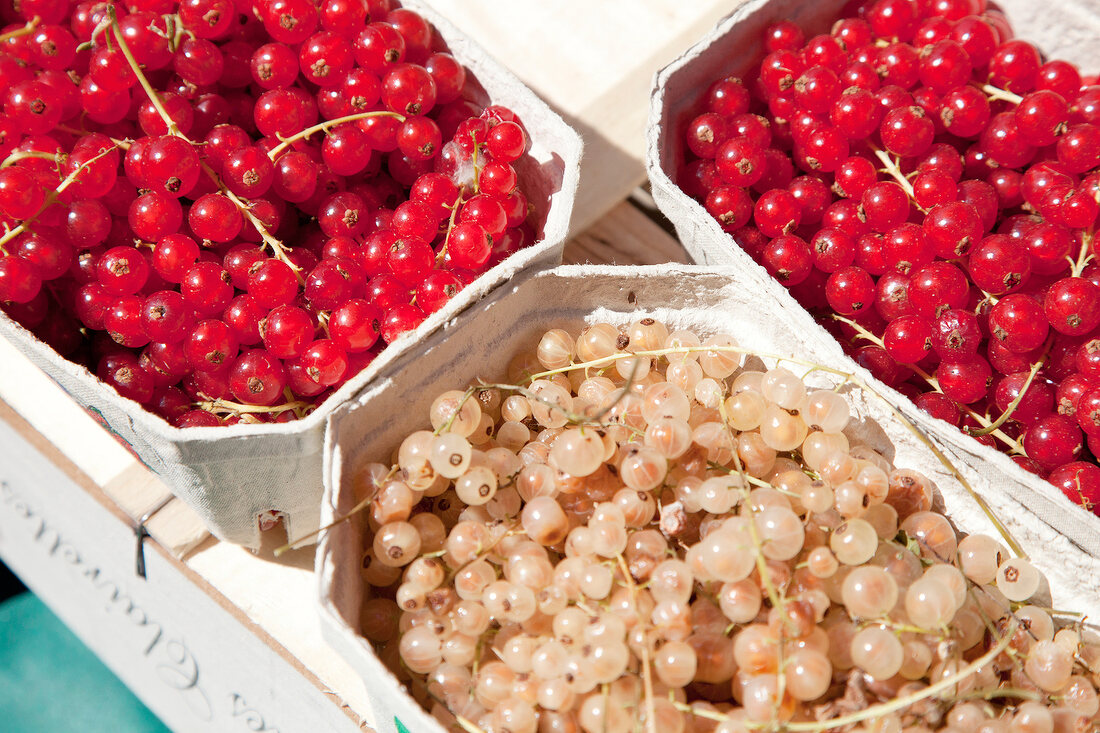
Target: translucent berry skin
[(18, 281), (287, 331), (936, 287), (1053, 441), (1019, 323), (1080, 482), (956, 335), (832, 250), (777, 212), (400, 319), (1072, 305), (940, 406), (999, 264), (964, 111), (1088, 412), (356, 325), (122, 372), (731, 206), (1041, 116), (907, 132), (257, 378), (908, 339), (788, 258), (850, 291), (952, 228), (1037, 402), (965, 382), (885, 205), (123, 270), (1004, 143), (324, 362)]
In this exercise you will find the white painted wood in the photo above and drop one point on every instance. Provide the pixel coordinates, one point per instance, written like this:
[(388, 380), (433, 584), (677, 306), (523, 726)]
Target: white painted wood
[(76, 433), (188, 653)]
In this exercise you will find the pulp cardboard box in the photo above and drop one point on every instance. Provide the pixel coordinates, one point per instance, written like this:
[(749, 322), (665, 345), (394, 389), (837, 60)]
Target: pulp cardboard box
[(730, 48), (710, 301), (231, 475)]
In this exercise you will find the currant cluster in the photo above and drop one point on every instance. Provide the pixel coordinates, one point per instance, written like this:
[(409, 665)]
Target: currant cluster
[(227, 209), (652, 535), (927, 186)]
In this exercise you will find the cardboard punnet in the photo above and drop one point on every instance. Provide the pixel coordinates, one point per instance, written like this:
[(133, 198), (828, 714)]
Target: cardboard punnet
[(709, 300), (730, 48), (231, 475)]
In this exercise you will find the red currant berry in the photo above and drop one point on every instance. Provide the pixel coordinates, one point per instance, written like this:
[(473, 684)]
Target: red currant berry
[(257, 378), (1053, 441), (1072, 305), (908, 339)]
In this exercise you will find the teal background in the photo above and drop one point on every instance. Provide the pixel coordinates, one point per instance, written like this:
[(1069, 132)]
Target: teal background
[(50, 681)]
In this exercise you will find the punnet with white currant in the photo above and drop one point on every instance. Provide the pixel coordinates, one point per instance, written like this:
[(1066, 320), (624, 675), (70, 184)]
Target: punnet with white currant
[(640, 529)]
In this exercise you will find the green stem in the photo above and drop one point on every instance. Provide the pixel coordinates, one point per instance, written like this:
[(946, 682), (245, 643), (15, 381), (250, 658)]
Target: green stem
[(27, 29), (52, 197), (1011, 406), (450, 227), (324, 127), (1084, 256), (892, 168), (173, 129), (1002, 94), (19, 155)]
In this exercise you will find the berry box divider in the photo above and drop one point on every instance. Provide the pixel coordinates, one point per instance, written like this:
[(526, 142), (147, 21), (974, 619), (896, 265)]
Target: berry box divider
[(730, 48), (716, 300), (231, 475)]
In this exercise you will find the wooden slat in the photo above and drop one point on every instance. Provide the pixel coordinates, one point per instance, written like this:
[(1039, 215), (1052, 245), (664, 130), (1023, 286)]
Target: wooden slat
[(594, 63), (626, 235), (129, 484)]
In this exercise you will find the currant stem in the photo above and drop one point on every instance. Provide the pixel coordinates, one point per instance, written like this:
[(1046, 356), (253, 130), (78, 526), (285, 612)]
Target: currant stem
[(891, 167), (1002, 94), (27, 29), (1011, 406), (277, 247), (173, 129), (647, 676), (1084, 256), (324, 127), (122, 143), (237, 408), (986, 423), (450, 227), (19, 155), (52, 197)]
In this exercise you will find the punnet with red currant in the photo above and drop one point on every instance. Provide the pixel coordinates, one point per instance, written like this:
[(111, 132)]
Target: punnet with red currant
[(241, 206), (639, 529), (927, 186)]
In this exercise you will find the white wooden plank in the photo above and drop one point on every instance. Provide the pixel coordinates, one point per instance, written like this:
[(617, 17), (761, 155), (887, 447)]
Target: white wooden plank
[(189, 654), (43, 404)]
